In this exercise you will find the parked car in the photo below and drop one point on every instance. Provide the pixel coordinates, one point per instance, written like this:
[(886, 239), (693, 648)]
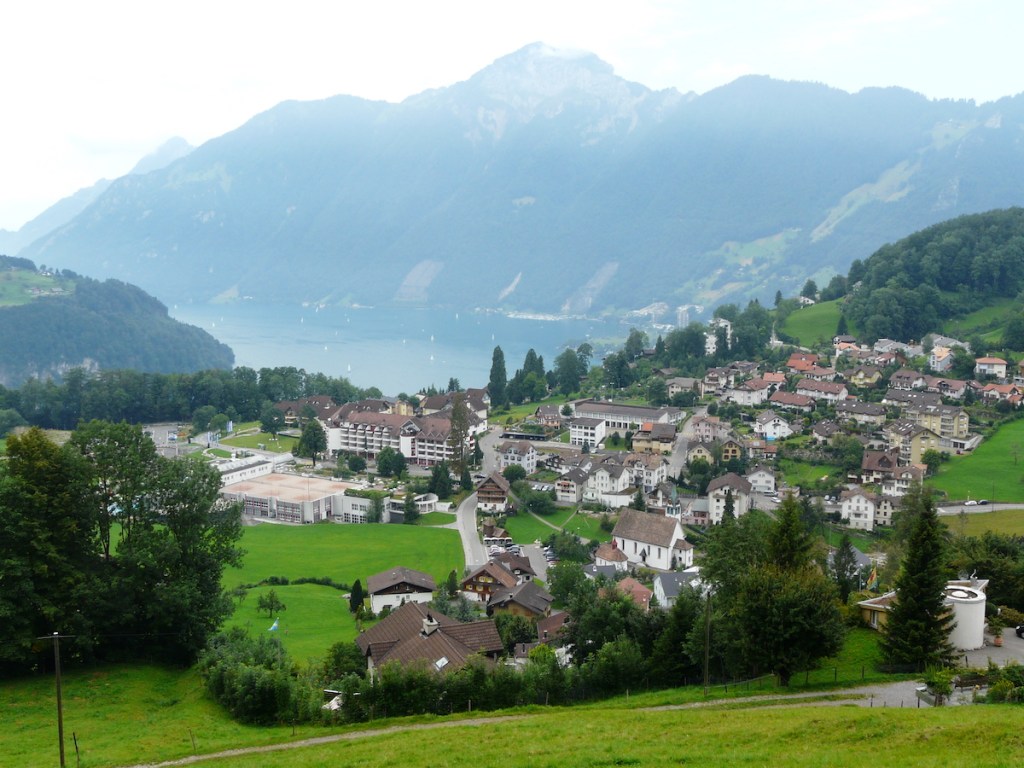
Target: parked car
[(971, 503), (1020, 631), (982, 502)]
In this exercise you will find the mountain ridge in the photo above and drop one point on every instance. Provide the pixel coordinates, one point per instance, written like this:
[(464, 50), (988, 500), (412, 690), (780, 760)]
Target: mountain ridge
[(545, 182)]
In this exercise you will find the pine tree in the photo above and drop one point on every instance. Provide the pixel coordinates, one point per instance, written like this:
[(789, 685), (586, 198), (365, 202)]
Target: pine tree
[(917, 630), (355, 600), (789, 546), (844, 567), (499, 379)]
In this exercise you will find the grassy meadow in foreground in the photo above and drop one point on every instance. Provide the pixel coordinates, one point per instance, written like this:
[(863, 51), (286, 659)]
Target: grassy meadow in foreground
[(826, 736)]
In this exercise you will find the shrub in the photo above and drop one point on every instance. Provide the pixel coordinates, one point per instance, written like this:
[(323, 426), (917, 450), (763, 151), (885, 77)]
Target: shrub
[(250, 677)]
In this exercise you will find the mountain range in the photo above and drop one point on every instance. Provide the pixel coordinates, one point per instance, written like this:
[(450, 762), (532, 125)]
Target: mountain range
[(546, 183)]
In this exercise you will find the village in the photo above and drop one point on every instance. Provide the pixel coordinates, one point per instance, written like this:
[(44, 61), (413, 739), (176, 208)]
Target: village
[(657, 475)]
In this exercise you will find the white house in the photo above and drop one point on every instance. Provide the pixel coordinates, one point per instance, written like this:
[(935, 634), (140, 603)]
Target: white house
[(718, 493), (857, 508), (652, 540), (397, 586), (771, 426), (762, 480), (518, 453)]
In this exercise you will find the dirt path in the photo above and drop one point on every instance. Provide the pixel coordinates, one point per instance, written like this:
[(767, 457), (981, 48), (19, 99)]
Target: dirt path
[(891, 695)]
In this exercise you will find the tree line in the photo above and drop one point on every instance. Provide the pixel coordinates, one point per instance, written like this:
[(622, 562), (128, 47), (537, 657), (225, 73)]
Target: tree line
[(104, 540), (240, 394)]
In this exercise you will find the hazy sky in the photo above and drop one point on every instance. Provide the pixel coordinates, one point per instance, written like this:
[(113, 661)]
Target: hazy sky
[(88, 88)]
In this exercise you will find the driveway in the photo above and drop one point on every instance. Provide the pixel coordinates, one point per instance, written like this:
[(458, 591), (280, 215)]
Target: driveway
[(465, 520)]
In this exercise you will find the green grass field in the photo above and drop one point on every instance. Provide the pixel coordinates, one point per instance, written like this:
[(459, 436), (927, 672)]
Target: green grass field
[(344, 552), (316, 616), (814, 324), (525, 529), (436, 518), (806, 475), (121, 715), (998, 312), (314, 619), (19, 286), (1008, 521), (280, 444), (990, 472), (125, 715)]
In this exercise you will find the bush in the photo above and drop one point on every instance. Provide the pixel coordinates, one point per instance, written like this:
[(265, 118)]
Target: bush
[(250, 677)]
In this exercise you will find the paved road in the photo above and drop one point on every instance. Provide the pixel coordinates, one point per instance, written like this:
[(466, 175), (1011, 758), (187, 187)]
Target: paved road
[(974, 509), (472, 548)]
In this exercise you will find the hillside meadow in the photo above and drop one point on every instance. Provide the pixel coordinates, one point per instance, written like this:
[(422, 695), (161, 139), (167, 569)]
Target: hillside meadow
[(315, 616), (994, 470), (1006, 521)]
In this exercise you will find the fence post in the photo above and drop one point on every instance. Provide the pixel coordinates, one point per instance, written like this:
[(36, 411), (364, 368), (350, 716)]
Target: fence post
[(862, 673), (835, 674)]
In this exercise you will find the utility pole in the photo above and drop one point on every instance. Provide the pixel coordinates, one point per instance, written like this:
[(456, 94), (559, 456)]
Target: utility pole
[(56, 637), (707, 642)]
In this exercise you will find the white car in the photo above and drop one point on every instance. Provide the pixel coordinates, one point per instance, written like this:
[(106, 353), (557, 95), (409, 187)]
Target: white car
[(970, 503)]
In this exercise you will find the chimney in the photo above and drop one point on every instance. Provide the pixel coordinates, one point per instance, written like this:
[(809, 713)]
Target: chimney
[(429, 625)]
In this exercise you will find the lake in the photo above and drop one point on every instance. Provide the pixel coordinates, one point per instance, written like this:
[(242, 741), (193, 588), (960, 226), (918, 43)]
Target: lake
[(395, 349)]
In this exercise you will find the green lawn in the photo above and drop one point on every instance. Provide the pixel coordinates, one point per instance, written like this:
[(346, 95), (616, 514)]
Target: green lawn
[(526, 529), (813, 325), (121, 715), (316, 616), (344, 552), (280, 444), (806, 475), (990, 472), (587, 526), (1008, 521), (314, 619), (804, 737), (125, 715), (436, 518)]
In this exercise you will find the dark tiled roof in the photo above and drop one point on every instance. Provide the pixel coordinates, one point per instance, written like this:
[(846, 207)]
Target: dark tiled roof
[(422, 582), (527, 594)]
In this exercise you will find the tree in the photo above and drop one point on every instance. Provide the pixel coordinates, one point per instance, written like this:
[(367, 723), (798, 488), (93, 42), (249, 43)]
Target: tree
[(356, 597), (514, 473), (917, 630), (568, 371), (411, 512), (810, 289), (513, 630), (498, 380), (465, 481), (635, 344), (454, 385), (390, 463), (638, 501), (270, 602), (356, 463), (123, 465), (657, 391), (459, 434), (783, 620), (844, 568), (271, 420), (376, 512), (789, 546), (312, 441), (440, 480), (933, 460)]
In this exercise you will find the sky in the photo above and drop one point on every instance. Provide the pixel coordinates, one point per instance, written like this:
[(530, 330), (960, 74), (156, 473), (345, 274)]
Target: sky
[(88, 89)]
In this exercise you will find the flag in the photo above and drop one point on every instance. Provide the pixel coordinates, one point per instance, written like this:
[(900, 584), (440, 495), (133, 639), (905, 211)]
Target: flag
[(273, 627), (872, 580)]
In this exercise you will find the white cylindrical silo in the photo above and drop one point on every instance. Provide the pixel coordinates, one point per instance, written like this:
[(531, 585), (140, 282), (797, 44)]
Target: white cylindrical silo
[(968, 607)]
